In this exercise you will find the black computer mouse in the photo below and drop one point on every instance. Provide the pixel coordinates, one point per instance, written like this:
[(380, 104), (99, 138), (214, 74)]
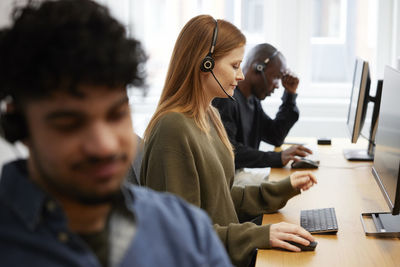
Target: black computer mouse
[(305, 164), (310, 247)]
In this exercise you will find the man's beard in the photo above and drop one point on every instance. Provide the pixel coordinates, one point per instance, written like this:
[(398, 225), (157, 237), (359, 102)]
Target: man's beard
[(73, 191)]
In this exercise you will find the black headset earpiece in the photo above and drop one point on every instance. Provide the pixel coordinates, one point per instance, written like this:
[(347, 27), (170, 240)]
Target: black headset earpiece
[(260, 67), (12, 126), (207, 64)]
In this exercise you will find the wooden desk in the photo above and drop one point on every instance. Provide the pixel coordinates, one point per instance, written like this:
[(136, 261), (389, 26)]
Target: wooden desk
[(349, 187)]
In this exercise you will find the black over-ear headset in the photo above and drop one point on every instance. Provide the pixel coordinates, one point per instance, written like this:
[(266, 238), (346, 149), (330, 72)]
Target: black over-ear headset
[(12, 124), (207, 64), (260, 67)]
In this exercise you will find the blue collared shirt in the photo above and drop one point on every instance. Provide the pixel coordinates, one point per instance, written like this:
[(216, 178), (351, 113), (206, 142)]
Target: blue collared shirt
[(34, 232)]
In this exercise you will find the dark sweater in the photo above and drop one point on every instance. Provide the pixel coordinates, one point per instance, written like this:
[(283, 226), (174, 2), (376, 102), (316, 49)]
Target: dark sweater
[(182, 159), (247, 125)]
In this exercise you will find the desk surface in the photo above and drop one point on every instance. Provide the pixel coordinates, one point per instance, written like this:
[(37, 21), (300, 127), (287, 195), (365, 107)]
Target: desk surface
[(351, 189)]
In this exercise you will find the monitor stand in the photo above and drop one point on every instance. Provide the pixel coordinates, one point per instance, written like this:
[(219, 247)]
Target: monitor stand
[(386, 224), (358, 155), (368, 154)]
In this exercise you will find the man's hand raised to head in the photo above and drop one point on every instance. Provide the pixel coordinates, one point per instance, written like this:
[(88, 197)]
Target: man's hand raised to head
[(290, 82)]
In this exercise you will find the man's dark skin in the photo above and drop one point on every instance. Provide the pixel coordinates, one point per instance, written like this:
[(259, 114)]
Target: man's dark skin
[(254, 84)]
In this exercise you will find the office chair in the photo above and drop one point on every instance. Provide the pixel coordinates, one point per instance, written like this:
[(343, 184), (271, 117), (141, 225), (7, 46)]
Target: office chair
[(133, 174)]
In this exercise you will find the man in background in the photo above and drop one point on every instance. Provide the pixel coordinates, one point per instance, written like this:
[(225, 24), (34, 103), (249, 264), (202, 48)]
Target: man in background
[(246, 122), (64, 68)]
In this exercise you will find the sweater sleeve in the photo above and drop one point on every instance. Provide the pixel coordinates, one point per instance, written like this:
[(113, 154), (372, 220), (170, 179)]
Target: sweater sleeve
[(241, 240), (245, 156), (248, 157), (252, 201), (274, 131)]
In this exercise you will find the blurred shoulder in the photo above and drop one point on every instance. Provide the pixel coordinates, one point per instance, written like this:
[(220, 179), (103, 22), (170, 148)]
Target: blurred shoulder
[(167, 205), (174, 118), (174, 124)]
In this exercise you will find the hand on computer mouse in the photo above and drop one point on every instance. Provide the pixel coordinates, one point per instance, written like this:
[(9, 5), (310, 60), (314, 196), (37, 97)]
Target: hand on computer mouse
[(293, 151), (310, 247), (282, 232), (305, 164), (303, 180)]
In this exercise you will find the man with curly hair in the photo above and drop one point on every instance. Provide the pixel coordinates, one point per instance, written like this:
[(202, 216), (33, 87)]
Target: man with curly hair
[(64, 68)]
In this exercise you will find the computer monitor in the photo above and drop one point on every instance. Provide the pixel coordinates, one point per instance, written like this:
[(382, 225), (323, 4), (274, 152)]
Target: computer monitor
[(359, 100), (386, 167)]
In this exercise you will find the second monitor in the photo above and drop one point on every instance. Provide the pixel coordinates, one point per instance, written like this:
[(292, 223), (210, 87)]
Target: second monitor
[(360, 97)]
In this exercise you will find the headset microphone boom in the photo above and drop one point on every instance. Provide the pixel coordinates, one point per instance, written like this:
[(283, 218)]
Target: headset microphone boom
[(208, 62)]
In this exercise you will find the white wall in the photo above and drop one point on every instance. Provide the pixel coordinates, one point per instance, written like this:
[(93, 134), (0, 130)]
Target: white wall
[(5, 10)]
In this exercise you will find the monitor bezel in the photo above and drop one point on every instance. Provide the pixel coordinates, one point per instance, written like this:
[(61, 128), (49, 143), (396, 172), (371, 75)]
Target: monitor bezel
[(394, 207), (355, 126)]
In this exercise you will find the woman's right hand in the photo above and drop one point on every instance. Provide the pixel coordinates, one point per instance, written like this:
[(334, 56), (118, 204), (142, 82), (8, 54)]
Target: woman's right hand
[(281, 232)]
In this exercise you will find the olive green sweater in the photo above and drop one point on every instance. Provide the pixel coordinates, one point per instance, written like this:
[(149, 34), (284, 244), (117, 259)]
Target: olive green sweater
[(181, 159)]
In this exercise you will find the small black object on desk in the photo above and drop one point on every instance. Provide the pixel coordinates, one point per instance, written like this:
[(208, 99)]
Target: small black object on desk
[(324, 141), (305, 164), (310, 247)]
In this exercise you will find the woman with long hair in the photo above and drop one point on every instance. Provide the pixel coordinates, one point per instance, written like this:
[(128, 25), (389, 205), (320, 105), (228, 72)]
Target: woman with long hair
[(187, 151)]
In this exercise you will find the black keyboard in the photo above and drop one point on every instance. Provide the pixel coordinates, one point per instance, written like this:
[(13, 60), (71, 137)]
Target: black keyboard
[(319, 220)]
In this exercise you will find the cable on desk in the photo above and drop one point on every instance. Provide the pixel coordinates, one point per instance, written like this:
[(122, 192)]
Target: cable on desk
[(345, 167), (369, 140)]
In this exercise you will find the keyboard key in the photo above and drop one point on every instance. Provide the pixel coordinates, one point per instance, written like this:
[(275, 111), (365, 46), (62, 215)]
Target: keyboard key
[(319, 220)]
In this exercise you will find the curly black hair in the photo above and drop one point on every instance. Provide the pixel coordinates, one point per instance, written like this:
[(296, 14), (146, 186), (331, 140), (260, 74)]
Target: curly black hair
[(59, 45)]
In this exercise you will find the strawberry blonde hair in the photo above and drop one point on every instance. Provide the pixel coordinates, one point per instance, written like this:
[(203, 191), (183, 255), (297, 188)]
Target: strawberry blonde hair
[(183, 90)]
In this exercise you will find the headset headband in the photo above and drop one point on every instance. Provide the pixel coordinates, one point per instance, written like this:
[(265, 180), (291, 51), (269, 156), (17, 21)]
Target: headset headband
[(259, 67), (208, 62), (271, 57), (214, 38)]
